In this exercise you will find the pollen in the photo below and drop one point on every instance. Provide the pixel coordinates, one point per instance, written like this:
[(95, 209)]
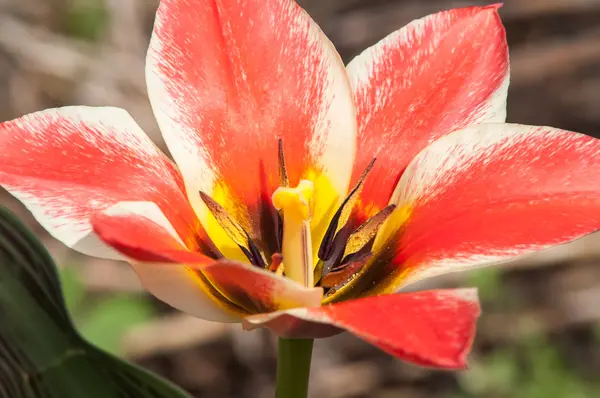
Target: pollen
[(397, 219)]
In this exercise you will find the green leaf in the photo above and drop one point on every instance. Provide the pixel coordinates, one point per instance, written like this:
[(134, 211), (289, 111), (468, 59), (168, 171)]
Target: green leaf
[(488, 282), (106, 324), (41, 353), (72, 288), (86, 19)]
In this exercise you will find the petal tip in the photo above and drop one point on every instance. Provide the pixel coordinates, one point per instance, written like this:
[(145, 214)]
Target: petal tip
[(495, 6), (493, 10), (461, 363), (489, 11), (468, 294)]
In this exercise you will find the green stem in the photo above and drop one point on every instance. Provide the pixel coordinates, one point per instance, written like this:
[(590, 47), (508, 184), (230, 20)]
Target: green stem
[(293, 367)]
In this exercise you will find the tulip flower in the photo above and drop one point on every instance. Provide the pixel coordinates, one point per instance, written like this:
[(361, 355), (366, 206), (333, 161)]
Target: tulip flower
[(305, 194)]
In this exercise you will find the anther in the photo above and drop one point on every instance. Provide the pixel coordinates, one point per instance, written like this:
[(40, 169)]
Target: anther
[(276, 262), (341, 216), (234, 230), (283, 176), (338, 277)]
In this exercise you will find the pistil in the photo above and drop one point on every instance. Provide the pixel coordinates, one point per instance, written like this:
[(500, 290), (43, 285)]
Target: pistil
[(295, 207)]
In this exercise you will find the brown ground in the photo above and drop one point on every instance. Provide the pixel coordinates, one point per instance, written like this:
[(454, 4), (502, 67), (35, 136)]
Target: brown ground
[(539, 335)]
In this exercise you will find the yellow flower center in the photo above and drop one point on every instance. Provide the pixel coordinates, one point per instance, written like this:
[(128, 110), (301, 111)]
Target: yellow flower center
[(305, 232)]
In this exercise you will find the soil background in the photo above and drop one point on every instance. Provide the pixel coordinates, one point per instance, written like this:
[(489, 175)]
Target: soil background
[(539, 335)]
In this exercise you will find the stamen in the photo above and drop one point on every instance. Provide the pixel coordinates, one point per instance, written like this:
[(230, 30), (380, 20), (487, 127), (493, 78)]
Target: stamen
[(341, 275), (234, 230), (294, 203), (284, 182), (276, 262), (342, 215), (336, 254), (283, 176), (347, 247), (366, 232), (269, 219)]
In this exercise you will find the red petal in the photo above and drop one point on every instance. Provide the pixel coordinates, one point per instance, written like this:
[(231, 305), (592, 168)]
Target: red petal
[(223, 291), (432, 328), (437, 74), (181, 288), (493, 192), (142, 233), (65, 164), (258, 291), (227, 79)]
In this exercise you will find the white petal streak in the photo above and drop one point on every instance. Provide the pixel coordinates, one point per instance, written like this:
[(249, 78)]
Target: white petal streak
[(175, 285), (450, 158)]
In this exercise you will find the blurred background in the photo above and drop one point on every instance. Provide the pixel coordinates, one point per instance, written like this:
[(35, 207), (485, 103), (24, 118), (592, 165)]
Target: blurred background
[(539, 335)]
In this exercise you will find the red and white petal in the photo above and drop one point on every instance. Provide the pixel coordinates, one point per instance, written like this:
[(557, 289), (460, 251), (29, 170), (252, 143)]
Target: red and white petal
[(431, 328), (238, 289), (144, 235), (141, 232), (490, 193), (227, 79), (175, 275), (441, 73), (258, 291), (297, 323), (66, 164), (181, 288)]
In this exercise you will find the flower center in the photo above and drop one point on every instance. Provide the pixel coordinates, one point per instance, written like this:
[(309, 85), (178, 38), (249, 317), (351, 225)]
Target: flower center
[(345, 247), (295, 207)]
